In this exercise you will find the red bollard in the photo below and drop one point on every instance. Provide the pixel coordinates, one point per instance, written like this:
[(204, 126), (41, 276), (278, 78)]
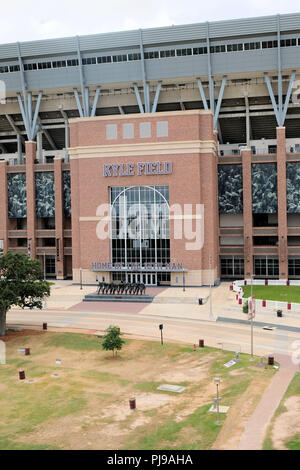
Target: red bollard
[(264, 303), (132, 404), (289, 306), (201, 343), (45, 326), (287, 283), (231, 287), (22, 374), (27, 351), (270, 360), (240, 301), (195, 347), (266, 282), (245, 283)]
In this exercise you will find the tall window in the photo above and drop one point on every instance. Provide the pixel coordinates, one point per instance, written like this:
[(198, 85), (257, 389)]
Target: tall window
[(264, 266), (140, 231)]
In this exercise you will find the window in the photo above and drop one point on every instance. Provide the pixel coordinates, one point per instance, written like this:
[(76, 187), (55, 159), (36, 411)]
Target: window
[(4, 69), (44, 65), (72, 62), (120, 58), (104, 59), (140, 224), (111, 131), (294, 267), (14, 68), (89, 61), (251, 46), (164, 54), (135, 56), (151, 55), (199, 50), (264, 266), (59, 63), (269, 44), (184, 52), (30, 67), (232, 267)]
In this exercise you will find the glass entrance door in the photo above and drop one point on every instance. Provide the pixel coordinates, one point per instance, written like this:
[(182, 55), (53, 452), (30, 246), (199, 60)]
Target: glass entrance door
[(149, 279)]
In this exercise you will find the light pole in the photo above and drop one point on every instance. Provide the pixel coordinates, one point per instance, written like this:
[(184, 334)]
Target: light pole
[(211, 316), (183, 278), (81, 278), (251, 318), (217, 381), (161, 327)]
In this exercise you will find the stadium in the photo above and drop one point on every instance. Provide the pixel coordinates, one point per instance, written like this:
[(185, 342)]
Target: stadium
[(204, 114)]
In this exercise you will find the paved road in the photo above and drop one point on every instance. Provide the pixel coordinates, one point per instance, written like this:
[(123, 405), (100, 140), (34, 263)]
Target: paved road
[(140, 324)]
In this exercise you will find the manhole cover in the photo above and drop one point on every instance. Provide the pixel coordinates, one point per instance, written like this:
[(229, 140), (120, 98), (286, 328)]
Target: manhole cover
[(171, 388), (30, 381)]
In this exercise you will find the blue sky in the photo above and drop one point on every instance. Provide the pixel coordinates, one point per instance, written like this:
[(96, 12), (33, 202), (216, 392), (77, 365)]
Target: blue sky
[(42, 19)]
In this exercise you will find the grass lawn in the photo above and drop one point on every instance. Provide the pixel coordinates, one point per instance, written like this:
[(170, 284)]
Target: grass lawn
[(280, 293), (87, 405), (286, 413)]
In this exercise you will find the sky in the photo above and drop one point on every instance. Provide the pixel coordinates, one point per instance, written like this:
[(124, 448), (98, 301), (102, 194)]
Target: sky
[(41, 19)]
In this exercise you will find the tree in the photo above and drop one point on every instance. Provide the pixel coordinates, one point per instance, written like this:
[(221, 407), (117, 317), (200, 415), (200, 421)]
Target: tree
[(112, 340), (22, 284)]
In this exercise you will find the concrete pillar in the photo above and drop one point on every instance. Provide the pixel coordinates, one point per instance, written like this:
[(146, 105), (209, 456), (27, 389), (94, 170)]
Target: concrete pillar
[(20, 150), (3, 205), (39, 144), (209, 197), (281, 196), (59, 221), (248, 220), (248, 136), (30, 148)]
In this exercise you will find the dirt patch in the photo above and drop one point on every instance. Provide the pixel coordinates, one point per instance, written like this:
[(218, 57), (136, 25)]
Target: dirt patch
[(287, 425), (11, 335)]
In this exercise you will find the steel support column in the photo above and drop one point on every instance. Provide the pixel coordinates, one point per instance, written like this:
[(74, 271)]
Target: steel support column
[(156, 98), (209, 72), (220, 98), (30, 122), (280, 112), (138, 98), (145, 84), (200, 86)]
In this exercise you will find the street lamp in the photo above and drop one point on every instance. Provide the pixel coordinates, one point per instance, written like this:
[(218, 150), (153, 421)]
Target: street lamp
[(251, 317), (217, 381), (211, 316)]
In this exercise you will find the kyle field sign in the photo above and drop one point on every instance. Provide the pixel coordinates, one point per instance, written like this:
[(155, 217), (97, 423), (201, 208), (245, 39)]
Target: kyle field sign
[(139, 169)]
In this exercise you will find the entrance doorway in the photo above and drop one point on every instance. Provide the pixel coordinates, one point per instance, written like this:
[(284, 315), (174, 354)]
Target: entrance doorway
[(149, 279)]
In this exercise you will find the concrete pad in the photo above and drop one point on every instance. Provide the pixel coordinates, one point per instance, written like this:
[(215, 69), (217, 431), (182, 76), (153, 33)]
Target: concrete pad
[(222, 409), (171, 388)]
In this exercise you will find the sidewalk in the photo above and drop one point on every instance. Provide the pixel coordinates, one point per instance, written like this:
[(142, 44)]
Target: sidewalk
[(255, 429)]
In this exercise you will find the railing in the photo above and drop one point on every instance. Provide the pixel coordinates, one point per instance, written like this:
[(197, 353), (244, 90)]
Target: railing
[(45, 233), (17, 234)]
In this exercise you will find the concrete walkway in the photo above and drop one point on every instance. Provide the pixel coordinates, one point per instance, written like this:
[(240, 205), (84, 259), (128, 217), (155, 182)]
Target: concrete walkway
[(255, 429)]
